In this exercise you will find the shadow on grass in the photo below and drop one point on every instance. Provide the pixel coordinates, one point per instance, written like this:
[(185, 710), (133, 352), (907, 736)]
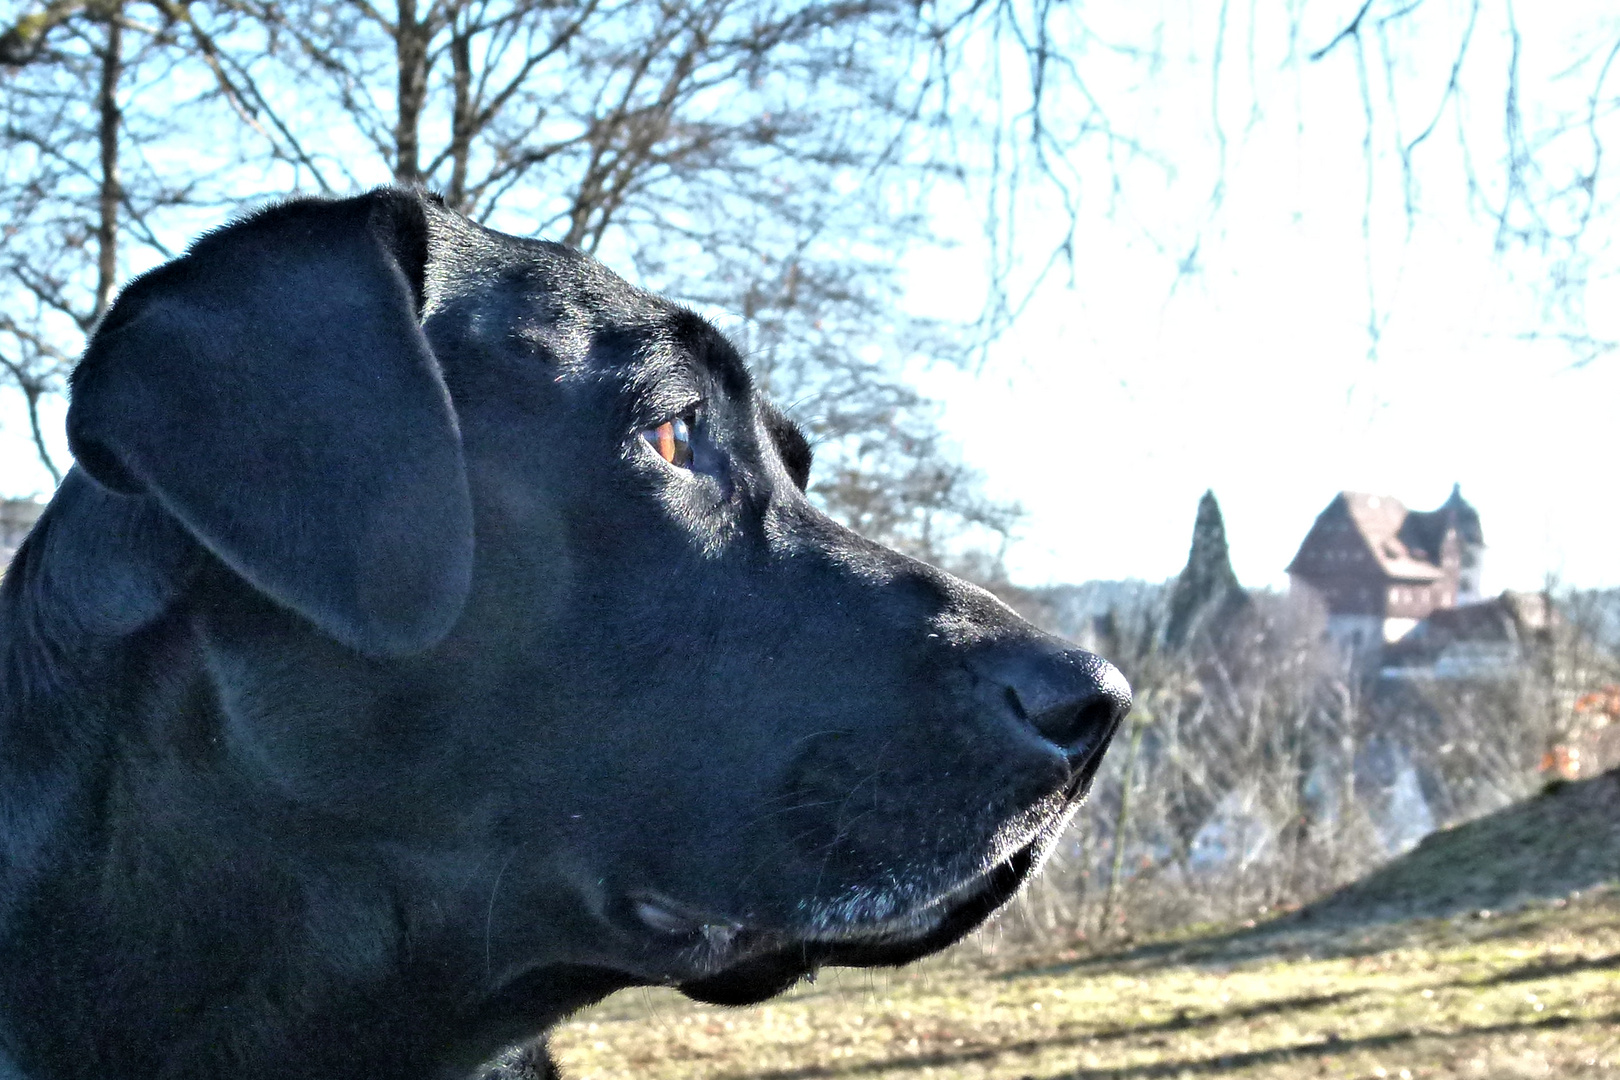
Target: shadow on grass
[(1219, 1064), (1279, 938), (1329, 935), (1214, 946), (1543, 969), (1287, 937)]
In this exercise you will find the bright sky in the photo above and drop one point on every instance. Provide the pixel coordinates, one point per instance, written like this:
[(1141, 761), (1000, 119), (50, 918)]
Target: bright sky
[(1110, 412), (1115, 403)]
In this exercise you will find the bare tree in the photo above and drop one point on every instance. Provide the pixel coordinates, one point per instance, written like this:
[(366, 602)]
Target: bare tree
[(1269, 769), (1058, 118), (97, 94), (736, 153), (1520, 112), (779, 159)]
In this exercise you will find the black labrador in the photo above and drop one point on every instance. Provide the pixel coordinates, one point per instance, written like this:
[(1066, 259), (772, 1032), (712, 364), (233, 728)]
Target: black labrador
[(435, 637)]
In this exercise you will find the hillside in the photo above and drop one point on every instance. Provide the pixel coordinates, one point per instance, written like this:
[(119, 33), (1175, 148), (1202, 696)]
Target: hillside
[(1562, 841)]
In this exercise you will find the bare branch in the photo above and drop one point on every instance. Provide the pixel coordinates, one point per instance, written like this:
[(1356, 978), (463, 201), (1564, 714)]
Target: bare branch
[(1351, 30), (24, 41)]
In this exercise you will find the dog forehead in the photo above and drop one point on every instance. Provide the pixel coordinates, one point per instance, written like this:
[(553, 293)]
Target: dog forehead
[(568, 304)]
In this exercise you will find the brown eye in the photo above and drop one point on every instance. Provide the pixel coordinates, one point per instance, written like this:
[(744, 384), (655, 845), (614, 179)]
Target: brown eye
[(673, 441)]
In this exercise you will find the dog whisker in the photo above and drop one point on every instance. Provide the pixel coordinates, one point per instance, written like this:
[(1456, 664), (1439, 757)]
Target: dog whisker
[(489, 911)]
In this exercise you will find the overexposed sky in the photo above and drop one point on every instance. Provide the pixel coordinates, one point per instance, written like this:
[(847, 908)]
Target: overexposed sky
[(1117, 402), (1109, 415)]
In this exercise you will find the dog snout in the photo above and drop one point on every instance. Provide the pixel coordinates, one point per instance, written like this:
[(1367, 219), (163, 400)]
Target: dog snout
[(1074, 699)]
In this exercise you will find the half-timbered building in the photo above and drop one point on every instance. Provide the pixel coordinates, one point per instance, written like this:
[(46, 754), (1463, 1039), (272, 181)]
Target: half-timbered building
[(1379, 568)]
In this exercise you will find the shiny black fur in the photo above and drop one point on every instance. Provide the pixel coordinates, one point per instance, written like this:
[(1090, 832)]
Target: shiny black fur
[(372, 695)]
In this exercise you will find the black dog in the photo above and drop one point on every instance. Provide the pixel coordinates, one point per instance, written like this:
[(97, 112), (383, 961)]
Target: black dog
[(434, 638)]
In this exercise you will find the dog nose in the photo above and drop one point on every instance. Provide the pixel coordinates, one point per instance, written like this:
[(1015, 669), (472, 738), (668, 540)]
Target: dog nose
[(1073, 698)]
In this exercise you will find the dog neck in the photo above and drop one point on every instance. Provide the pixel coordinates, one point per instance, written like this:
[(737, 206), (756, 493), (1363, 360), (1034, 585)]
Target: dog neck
[(99, 958), (96, 569)]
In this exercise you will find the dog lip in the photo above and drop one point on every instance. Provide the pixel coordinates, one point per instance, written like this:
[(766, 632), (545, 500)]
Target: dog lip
[(662, 919), (777, 961), (672, 919), (926, 918), (996, 883)]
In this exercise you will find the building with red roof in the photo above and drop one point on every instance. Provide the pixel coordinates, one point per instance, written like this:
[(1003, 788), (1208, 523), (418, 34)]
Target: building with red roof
[(1379, 569)]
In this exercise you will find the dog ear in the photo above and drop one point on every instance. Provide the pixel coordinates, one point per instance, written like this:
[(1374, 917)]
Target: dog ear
[(273, 390)]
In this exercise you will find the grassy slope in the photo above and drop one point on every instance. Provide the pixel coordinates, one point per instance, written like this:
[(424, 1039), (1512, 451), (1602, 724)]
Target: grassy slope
[(1530, 994), (1363, 986), (1536, 993), (1565, 839)]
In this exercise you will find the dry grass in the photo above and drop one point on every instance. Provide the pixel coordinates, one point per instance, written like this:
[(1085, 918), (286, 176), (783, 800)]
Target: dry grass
[(1531, 994), (1565, 839)]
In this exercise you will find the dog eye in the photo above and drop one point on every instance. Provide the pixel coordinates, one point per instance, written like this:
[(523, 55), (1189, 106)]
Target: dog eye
[(673, 441)]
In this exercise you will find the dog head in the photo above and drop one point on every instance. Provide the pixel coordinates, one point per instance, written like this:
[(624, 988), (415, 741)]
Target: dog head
[(486, 627)]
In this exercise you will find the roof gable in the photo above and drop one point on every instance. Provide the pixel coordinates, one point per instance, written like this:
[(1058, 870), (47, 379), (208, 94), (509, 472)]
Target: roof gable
[(1426, 530), (1371, 525)]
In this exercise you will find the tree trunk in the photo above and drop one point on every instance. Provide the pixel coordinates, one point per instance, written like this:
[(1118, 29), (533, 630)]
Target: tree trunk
[(462, 121), (112, 70), (410, 54)]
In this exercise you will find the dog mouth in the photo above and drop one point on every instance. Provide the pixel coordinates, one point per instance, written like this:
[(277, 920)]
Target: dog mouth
[(722, 962), (741, 965), (726, 960), (756, 965)]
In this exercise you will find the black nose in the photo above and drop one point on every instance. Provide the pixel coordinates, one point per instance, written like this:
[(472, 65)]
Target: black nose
[(1074, 698)]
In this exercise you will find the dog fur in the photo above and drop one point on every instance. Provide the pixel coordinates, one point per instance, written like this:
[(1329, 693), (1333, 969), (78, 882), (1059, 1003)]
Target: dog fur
[(373, 694)]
